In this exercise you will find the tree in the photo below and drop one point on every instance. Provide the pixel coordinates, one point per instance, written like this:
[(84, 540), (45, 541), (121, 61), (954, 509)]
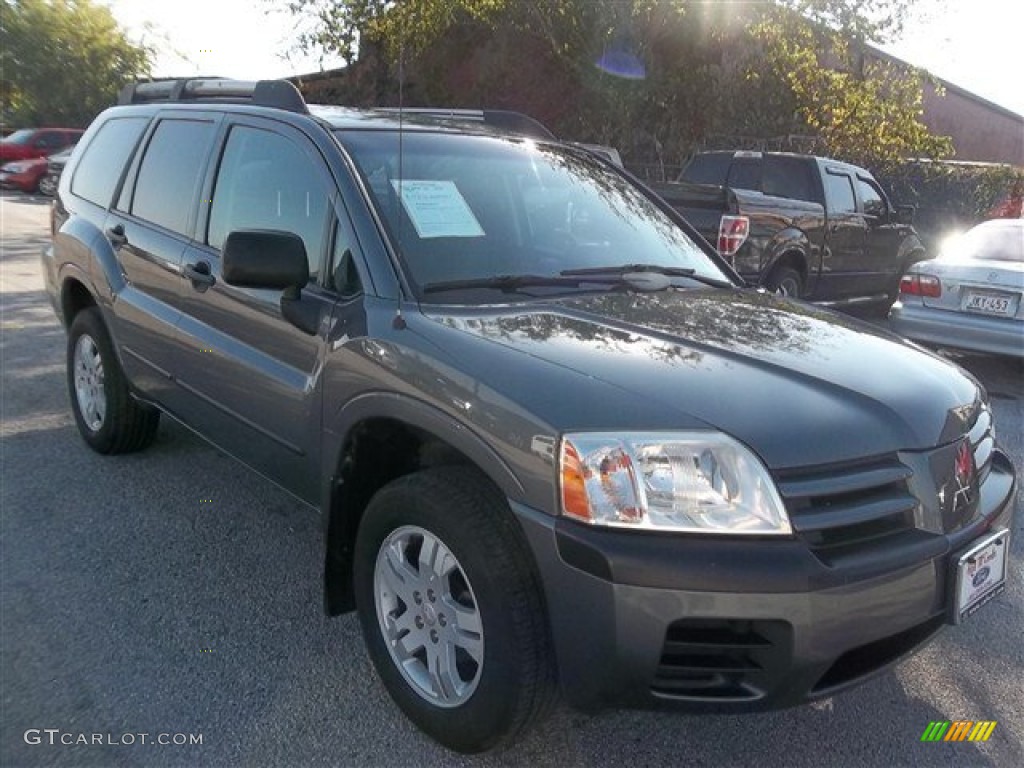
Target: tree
[(63, 61), (655, 77)]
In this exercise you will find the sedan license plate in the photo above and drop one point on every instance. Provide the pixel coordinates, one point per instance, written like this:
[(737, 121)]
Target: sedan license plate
[(988, 304), (980, 574)]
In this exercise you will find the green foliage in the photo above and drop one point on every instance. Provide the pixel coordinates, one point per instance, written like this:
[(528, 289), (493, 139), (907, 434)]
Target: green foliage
[(709, 69), (864, 109), (63, 61)]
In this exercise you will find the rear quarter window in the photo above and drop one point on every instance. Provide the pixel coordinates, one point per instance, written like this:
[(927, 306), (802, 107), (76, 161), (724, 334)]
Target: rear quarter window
[(104, 159)]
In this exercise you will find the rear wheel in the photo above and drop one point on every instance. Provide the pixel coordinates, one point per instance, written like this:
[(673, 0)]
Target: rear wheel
[(785, 281), (108, 418), (451, 610)]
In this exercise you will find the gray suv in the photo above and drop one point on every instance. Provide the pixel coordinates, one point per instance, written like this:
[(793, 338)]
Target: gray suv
[(558, 446)]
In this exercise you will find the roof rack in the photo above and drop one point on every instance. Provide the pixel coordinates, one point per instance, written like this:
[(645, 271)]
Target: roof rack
[(515, 122), (279, 94)]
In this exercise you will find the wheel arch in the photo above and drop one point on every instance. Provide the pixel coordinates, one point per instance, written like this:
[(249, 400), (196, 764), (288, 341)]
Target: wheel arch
[(75, 294), (378, 438), (788, 248)]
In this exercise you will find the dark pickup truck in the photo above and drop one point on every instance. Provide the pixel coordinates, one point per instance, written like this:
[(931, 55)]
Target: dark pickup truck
[(801, 225)]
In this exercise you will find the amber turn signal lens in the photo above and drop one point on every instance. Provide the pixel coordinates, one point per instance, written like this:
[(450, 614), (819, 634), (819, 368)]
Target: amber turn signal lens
[(574, 491)]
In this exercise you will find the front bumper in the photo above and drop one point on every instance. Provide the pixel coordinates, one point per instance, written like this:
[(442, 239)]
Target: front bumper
[(959, 330), (736, 624)]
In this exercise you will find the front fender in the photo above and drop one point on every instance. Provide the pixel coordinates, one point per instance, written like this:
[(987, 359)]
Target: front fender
[(419, 414)]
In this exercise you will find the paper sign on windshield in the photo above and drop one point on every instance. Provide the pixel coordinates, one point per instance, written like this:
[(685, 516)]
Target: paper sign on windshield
[(437, 209)]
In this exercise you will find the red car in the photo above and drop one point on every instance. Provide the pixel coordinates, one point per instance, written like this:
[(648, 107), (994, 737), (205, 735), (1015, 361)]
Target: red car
[(24, 174), (36, 142)]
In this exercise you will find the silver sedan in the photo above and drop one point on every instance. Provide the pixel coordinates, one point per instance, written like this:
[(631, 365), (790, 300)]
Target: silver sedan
[(970, 297)]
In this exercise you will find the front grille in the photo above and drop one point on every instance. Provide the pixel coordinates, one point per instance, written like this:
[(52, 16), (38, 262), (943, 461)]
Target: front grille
[(720, 659), (840, 509)]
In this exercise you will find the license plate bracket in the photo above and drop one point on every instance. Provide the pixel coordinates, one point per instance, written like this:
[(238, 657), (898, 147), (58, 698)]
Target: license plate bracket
[(979, 574)]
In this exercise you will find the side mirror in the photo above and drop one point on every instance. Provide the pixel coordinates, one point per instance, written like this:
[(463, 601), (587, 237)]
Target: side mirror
[(905, 214), (259, 258)]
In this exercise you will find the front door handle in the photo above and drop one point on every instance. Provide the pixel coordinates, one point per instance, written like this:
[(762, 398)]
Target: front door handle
[(116, 235), (199, 274)]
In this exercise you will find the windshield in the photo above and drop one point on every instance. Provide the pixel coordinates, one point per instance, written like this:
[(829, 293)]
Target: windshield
[(478, 207), (19, 137), (1001, 240)]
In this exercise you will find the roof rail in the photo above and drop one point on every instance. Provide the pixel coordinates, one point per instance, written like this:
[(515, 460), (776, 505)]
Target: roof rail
[(279, 94), (515, 122)]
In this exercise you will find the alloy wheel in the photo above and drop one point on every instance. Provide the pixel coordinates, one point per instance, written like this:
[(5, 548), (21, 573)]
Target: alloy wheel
[(89, 387), (429, 616)]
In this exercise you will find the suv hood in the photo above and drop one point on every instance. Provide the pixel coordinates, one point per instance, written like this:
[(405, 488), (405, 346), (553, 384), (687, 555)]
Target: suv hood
[(799, 384)]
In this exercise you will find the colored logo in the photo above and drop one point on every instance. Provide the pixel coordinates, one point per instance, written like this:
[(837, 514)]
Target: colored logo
[(980, 576), (963, 472), (958, 730)]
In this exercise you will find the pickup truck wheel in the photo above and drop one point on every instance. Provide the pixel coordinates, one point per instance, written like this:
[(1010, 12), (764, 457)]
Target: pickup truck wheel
[(451, 610), (785, 281), (108, 418)]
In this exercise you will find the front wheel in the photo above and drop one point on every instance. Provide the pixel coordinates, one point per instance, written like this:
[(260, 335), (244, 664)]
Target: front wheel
[(108, 418), (451, 610)]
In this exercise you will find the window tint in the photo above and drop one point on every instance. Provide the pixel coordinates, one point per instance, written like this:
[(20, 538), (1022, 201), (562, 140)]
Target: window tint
[(788, 177), (49, 140), (170, 173), (344, 278), (839, 193), (266, 181), (870, 198), (100, 167), (707, 169), (746, 174)]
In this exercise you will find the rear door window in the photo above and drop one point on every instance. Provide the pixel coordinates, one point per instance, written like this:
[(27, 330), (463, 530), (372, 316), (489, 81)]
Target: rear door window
[(788, 177), (839, 192), (169, 176), (101, 166)]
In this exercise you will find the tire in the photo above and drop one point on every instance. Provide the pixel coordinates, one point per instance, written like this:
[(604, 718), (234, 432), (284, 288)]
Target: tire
[(500, 670), (48, 185), (785, 281), (108, 418)]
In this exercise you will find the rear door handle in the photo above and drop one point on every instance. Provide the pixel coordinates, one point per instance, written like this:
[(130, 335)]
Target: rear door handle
[(199, 274), (116, 235)]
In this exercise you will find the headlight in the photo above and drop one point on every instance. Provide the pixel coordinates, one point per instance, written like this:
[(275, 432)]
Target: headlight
[(699, 482), (14, 167)]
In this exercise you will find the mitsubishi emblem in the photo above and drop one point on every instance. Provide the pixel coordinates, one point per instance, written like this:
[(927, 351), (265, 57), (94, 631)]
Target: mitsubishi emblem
[(963, 472)]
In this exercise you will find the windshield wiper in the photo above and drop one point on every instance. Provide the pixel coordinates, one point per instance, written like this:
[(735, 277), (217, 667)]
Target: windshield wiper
[(512, 283), (628, 269)]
